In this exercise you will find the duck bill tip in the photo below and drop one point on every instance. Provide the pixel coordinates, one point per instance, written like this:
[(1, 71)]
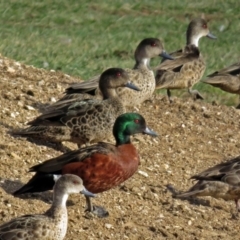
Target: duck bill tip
[(164, 54), (211, 36), (150, 132), (87, 193), (132, 86)]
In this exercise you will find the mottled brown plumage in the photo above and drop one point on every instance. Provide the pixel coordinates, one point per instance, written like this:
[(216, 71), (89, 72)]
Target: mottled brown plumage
[(140, 75), (188, 65), (86, 121), (220, 181), (227, 79), (49, 226)]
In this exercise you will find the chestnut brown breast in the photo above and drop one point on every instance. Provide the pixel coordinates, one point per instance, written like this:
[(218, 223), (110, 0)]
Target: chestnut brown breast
[(101, 172)]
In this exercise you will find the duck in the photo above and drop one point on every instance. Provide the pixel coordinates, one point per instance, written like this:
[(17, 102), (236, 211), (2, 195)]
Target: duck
[(52, 225), (101, 166), (227, 79), (86, 121), (141, 75), (219, 181), (188, 65)]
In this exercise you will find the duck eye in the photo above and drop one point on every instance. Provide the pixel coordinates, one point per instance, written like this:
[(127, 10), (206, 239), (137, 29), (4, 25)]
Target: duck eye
[(136, 121), (75, 182), (153, 44), (118, 74), (204, 25)]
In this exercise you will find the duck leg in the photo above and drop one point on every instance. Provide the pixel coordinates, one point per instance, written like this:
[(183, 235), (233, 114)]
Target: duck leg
[(97, 210), (195, 94), (238, 106), (62, 148), (236, 215), (169, 95)]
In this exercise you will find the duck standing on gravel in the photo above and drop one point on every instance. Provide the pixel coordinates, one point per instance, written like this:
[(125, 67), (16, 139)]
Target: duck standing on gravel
[(227, 79), (53, 224), (86, 121), (188, 65), (101, 166), (140, 75), (220, 181)]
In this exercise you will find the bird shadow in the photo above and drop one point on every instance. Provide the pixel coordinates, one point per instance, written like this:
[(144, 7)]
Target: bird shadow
[(6, 125), (10, 186), (41, 142)]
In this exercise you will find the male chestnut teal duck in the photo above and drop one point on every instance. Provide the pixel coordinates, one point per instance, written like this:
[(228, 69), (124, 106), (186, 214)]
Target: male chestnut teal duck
[(140, 75), (101, 166), (86, 121), (227, 79), (188, 65), (220, 181), (52, 225)]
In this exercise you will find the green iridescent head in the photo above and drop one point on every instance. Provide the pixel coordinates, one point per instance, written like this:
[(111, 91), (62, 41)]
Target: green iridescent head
[(128, 124)]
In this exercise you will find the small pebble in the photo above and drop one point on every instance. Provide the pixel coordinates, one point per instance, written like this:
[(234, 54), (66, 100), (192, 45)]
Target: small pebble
[(15, 155), (53, 99), (11, 70), (41, 83), (13, 115), (143, 173), (29, 108), (108, 226)]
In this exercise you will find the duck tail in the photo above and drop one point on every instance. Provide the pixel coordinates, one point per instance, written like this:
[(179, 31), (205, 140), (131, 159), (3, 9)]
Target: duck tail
[(27, 132), (40, 182)]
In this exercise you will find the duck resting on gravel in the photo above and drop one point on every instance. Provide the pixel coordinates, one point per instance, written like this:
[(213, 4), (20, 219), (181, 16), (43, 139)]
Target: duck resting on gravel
[(188, 65), (227, 79), (220, 181), (86, 121), (101, 166), (52, 225), (140, 75)]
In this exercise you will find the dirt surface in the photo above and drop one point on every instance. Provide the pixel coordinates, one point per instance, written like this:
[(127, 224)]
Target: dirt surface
[(193, 136)]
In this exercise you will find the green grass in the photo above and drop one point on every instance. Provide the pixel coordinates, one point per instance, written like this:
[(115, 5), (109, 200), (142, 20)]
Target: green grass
[(83, 38)]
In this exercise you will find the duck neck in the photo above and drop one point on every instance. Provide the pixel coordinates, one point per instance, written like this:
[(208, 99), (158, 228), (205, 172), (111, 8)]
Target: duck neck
[(109, 93), (59, 202), (193, 40), (122, 138), (143, 63)]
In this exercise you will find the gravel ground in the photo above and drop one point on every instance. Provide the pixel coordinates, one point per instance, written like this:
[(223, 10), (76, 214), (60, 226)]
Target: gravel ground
[(192, 137)]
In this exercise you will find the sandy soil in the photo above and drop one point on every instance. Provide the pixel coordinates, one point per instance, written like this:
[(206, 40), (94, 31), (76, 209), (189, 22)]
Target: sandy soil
[(193, 136)]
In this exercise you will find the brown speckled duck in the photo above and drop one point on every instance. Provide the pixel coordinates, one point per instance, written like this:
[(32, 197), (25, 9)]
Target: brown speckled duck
[(220, 181), (53, 224), (86, 121), (140, 75), (188, 65), (227, 79)]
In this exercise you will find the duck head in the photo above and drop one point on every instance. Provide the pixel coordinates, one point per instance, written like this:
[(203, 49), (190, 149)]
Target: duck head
[(198, 28), (113, 78), (128, 124), (149, 48)]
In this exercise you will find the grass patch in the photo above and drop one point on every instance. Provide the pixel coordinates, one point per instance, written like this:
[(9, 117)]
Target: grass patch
[(83, 38)]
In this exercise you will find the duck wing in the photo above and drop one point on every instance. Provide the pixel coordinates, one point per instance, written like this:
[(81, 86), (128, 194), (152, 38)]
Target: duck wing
[(181, 57), (54, 165)]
